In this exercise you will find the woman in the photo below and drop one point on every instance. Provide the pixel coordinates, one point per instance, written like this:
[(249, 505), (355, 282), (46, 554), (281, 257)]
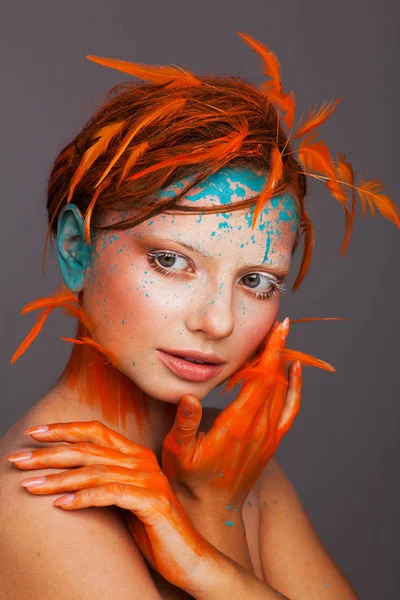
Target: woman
[(154, 269)]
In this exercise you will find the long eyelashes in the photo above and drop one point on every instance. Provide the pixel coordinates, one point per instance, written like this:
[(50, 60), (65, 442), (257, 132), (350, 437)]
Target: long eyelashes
[(153, 256)]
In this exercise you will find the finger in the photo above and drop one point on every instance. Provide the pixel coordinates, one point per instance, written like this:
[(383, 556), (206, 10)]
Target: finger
[(181, 439), (84, 431), (264, 425), (254, 392), (293, 400), (73, 455), (86, 477), (123, 495)]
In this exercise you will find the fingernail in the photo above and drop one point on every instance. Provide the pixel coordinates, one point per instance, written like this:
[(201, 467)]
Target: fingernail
[(284, 328), (32, 481), (19, 456), (38, 429), (64, 500), (188, 410)]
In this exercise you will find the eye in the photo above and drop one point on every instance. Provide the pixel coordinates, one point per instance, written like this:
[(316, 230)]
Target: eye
[(274, 284), (163, 261)]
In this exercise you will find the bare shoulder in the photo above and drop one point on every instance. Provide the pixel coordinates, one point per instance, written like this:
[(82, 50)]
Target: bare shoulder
[(287, 536), (50, 553)]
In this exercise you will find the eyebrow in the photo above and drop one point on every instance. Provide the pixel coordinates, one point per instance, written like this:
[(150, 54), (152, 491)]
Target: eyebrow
[(195, 247)]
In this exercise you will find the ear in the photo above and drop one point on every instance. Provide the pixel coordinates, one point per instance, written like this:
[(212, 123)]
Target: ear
[(73, 253)]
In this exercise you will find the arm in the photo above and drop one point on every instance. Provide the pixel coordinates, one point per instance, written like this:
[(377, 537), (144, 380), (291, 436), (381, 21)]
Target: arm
[(228, 579)]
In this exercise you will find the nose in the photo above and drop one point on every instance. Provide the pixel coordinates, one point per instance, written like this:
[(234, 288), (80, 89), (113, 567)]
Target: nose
[(212, 309)]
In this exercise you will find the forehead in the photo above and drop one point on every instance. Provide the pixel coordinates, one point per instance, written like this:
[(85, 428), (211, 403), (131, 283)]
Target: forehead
[(228, 231)]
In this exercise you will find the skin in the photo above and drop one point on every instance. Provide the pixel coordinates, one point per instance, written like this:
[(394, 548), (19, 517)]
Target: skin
[(210, 307), (207, 304), (116, 471)]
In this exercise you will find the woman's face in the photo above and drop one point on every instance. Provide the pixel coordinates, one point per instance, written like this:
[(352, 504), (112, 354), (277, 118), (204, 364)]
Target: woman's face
[(145, 290)]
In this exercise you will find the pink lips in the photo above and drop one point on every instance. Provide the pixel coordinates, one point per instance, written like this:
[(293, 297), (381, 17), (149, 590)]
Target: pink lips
[(188, 370)]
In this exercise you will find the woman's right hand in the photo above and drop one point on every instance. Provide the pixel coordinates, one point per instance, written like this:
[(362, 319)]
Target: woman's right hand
[(113, 470)]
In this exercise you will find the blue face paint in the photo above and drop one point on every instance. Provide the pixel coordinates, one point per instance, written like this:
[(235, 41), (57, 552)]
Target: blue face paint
[(73, 253), (233, 184)]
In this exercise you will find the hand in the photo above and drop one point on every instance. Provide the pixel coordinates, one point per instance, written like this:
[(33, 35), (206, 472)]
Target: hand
[(115, 471), (220, 467)]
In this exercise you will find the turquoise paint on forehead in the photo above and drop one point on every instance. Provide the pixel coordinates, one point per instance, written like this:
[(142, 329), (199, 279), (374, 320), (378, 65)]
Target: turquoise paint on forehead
[(231, 184), (223, 184)]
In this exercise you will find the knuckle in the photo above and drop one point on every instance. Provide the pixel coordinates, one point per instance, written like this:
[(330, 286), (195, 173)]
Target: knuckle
[(116, 489)]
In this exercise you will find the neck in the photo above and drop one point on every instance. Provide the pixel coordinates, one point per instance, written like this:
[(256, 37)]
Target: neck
[(94, 389)]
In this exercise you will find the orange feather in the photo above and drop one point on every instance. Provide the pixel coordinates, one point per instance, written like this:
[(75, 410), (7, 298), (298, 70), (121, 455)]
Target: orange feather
[(285, 101), (90, 209), (111, 356), (369, 192), (271, 64), (176, 76), (345, 172), (157, 115), (219, 149), (308, 248), (315, 119), (316, 156), (135, 154), (105, 135), (275, 176)]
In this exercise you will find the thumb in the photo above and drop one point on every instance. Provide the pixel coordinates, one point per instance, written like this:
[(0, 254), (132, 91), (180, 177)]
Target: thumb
[(187, 422), (180, 441)]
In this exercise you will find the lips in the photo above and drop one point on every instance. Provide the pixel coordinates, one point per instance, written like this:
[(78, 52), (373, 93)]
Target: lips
[(206, 357), (189, 370)]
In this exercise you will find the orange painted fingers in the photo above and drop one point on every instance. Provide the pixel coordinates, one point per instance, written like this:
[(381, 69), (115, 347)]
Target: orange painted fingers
[(84, 431)]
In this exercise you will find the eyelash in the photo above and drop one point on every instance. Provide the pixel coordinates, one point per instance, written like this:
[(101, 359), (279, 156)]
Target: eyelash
[(277, 285)]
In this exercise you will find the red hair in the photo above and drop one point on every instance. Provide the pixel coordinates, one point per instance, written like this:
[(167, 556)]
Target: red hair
[(148, 136)]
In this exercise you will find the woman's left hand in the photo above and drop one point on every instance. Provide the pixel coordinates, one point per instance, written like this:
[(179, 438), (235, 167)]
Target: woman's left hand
[(113, 470)]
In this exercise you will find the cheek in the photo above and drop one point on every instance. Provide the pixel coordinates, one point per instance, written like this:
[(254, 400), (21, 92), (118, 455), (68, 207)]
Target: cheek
[(253, 326)]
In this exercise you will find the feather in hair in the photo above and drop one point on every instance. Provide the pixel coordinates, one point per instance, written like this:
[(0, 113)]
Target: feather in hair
[(218, 149), (272, 88), (316, 156), (271, 64), (157, 115), (134, 155), (346, 173), (369, 192), (103, 137), (90, 209), (309, 240), (173, 75), (285, 101), (316, 118), (275, 176)]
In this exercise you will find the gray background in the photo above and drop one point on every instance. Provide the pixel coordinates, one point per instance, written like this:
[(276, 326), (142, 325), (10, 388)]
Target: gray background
[(341, 453)]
